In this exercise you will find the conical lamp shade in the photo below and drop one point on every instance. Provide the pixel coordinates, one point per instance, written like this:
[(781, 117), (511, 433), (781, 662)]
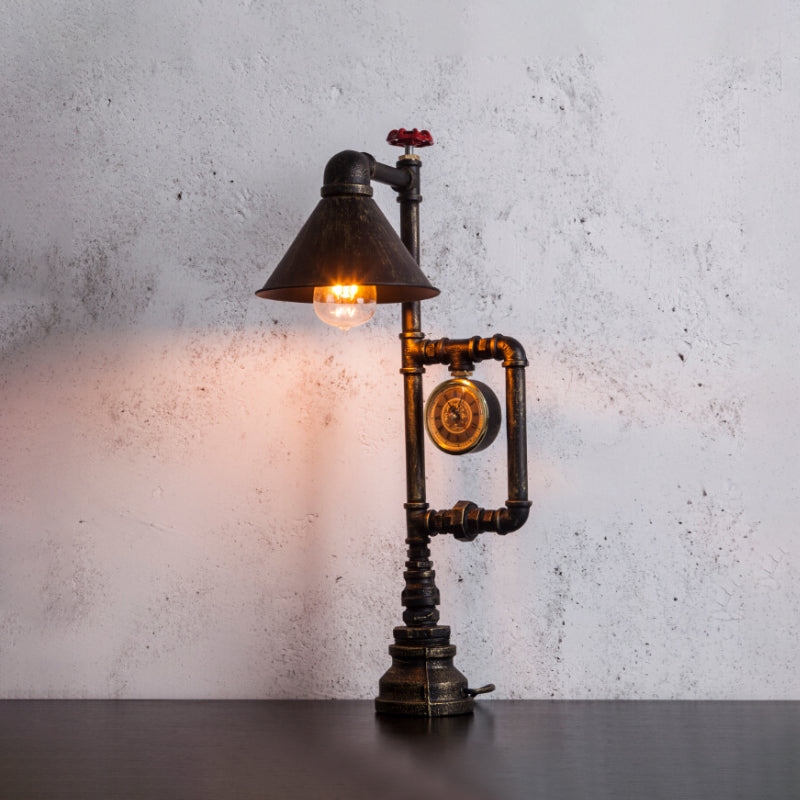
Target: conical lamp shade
[(347, 240)]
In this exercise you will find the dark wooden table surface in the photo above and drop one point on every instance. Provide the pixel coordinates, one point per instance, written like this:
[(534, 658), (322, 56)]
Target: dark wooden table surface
[(340, 749)]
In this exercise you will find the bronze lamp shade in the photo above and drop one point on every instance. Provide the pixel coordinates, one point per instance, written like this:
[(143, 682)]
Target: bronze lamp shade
[(347, 240)]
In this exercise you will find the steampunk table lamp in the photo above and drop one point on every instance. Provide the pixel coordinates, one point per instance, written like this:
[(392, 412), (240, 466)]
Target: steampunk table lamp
[(346, 259)]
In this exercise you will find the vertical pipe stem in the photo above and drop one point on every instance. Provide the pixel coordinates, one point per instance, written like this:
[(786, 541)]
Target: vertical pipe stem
[(516, 433), (420, 596), (409, 200)]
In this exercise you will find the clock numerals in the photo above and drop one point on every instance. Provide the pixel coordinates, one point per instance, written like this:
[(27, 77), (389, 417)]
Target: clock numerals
[(462, 416)]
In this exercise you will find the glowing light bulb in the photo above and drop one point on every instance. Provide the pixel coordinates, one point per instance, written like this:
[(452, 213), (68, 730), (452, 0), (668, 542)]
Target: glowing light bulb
[(345, 306)]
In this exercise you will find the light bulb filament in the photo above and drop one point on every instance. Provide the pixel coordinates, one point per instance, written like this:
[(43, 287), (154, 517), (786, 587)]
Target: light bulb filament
[(346, 294)]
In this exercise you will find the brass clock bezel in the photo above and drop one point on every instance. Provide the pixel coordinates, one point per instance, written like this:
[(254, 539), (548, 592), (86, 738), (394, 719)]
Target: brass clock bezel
[(480, 429)]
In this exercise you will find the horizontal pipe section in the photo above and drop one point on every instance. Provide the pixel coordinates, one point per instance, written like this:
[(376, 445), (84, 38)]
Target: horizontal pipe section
[(350, 172), (465, 520), (452, 351), (399, 179)]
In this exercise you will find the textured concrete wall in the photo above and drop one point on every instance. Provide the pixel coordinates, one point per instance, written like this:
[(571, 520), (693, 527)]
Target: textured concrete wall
[(201, 492)]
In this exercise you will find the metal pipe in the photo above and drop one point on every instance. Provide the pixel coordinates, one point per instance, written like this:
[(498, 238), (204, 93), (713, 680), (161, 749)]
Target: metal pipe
[(351, 172), (348, 172), (420, 595), (398, 178), (466, 520), (411, 369)]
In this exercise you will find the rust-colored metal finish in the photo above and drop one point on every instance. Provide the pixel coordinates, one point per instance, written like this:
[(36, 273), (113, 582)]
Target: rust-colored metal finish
[(348, 240), (462, 416), (465, 520), (423, 681)]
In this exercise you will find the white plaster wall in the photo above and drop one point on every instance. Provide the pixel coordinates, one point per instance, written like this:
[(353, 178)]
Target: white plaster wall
[(201, 492)]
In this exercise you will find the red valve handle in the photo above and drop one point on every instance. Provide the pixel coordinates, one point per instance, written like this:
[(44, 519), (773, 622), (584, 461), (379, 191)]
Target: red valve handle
[(415, 138)]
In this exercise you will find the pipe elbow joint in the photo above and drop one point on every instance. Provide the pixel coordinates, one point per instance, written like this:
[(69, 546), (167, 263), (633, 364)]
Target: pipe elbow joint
[(348, 172), (513, 516), (509, 350)]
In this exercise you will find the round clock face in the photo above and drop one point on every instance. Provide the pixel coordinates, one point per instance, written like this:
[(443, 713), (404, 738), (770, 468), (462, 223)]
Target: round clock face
[(462, 416)]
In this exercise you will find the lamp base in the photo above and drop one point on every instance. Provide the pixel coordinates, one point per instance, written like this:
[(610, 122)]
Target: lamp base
[(422, 681)]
